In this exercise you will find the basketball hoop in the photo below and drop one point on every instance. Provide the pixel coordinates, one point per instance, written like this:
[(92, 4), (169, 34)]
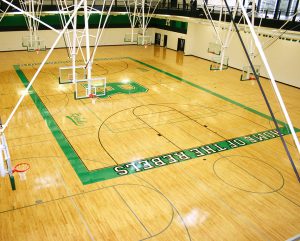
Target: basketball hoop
[(93, 98), (21, 169), (252, 77)]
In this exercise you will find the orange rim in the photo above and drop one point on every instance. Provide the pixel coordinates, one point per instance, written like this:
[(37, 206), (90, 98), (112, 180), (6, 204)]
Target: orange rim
[(21, 167)]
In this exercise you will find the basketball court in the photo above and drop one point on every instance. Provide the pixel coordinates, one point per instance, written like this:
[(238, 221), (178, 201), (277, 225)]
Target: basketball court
[(172, 151)]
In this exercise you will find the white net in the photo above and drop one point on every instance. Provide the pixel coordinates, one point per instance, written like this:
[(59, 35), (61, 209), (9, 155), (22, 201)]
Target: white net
[(247, 73), (22, 176), (218, 63), (144, 40)]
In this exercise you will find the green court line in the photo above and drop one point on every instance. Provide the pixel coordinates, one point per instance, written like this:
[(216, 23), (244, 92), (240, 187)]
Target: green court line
[(91, 176), (68, 61), (179, 79), (62, 141), (114, 88), (213, 93)]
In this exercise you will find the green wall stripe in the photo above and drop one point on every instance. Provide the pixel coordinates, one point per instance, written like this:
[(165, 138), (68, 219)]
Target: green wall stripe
[(17, 22)]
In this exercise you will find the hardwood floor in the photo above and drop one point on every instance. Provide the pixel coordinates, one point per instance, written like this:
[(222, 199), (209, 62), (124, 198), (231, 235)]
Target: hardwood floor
[(174, 151)]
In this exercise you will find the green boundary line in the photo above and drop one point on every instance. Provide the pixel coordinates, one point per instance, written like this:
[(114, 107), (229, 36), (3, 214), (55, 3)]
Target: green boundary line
[(61, 139), (68, 61), (212, 93), (87, 177)]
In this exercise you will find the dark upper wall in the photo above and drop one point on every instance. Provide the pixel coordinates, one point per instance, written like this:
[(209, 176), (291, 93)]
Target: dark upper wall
[(270, 18), (17, 22)]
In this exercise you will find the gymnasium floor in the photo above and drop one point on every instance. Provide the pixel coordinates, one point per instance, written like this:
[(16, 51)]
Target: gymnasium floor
[(173, 152)]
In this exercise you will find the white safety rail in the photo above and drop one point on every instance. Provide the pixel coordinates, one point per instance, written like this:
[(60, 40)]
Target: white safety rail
[(247, 72)]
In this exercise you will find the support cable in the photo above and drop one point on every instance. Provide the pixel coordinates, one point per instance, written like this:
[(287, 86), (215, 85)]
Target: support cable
[(40, 67), (260, 85), (29, 15)]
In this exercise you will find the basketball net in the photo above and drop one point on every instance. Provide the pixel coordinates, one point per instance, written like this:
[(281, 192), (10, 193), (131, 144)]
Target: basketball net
[(21, 169), (93, 98)]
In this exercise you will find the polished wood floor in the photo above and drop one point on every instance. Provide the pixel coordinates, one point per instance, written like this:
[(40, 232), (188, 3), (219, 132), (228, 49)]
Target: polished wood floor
[(107, 171)]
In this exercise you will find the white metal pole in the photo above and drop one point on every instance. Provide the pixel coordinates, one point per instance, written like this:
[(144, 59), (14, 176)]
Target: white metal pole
[(133, 21), (143, 20), (251, 41), (40, 67), (99, 33), (220, 15), (265, 61), (100, 21), (30, 23), (225, 46), (74, 45), (33, 22), (87, 46), (208, 16), (2, 168), (6, 155), (3, 13)]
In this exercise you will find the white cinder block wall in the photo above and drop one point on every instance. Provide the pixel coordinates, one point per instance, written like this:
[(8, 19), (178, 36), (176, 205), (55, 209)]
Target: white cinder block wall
[(172, 37), (13, 40), (283, 56)]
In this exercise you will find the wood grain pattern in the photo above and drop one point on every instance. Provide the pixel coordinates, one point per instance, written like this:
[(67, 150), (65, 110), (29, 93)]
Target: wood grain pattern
[(247, 193)]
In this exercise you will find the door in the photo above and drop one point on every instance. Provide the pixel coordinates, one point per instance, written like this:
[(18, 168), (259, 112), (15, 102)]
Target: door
[(157, 39), (180, 44), (173, 3), (165, 40)]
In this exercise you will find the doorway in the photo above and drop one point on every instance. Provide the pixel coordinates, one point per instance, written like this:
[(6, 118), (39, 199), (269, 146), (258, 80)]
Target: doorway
[(173, 3), (165, 40), (180, 44), (157, 39)]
